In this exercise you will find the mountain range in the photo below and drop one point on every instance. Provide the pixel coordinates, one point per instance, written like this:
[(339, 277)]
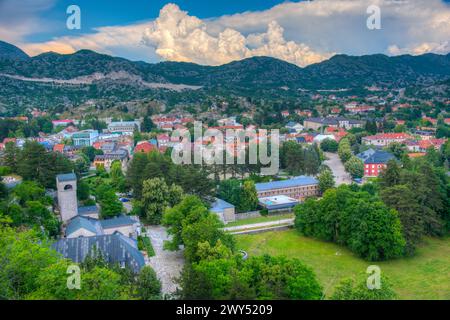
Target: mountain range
[(66, 74)]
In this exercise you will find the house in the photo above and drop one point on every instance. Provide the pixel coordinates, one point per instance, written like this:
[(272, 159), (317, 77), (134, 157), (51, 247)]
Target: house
[(126, 225), (424, 145), (145, 147), (360, 109), (337, 122), (107, 159), (89, 211), (225, 210), (115, 248), (278, 203), (374, 161), (294, 127), (384, 139), (59, 147), (80, 226), (124, 126), (64, 122), (163, 140), (285, 113), (85, 138), (299, 187)]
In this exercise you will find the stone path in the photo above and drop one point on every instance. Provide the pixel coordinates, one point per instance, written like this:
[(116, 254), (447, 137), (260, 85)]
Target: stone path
[(167, 264)]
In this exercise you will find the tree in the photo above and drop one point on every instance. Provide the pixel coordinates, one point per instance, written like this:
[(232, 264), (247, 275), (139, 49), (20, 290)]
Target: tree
[(292, 157), (312, 160), (263, 277), (248, 197), (355, 167), (397, 149), (117, 177), (229, 191), (344, 150), (191, 209), (148, 285), (29, 191), (91, 152), (207, 228), (83, 190), (110, 206), (390, 176), (11, 155), (326, 180), (22, 256), (147, 124), (355, 219), (329, 145), (347, 289), (403, 199), (376, 232), (156, 197)]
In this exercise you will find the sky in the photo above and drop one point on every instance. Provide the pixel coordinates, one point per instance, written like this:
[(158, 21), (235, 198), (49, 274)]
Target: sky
[(216, 32)]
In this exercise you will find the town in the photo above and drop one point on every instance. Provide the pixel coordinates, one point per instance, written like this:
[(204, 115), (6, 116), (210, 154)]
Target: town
[(209, 159), (109, 183)]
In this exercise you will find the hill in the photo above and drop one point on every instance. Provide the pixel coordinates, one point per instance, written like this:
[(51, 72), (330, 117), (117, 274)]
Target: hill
[(69, 79)]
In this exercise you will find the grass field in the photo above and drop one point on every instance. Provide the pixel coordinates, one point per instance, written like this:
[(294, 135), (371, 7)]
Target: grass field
[(424, 276), (260, 219)]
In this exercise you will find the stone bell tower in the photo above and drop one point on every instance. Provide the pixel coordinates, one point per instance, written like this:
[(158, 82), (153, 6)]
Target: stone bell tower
[(67, 195)]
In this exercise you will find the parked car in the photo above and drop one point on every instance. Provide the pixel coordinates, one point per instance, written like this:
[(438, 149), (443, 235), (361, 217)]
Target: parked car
[(124, 200)]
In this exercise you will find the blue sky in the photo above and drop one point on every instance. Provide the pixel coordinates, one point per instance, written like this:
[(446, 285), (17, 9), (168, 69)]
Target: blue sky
[(98, 13), (216, 32)]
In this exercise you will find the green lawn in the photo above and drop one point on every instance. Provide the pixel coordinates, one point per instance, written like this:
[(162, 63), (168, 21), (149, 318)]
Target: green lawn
[(260, 219), (424, 276)]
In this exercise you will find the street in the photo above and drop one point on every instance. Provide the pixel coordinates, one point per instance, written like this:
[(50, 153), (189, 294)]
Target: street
[(337, 167)]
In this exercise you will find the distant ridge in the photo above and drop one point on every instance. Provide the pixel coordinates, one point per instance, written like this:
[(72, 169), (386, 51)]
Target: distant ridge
[(51, 79), (9, 51)]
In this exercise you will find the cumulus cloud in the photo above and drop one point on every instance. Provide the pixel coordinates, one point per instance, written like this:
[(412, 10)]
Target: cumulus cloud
[(299, 32), (177, 36)]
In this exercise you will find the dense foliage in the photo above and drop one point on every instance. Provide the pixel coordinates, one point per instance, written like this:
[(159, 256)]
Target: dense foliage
[(355, 219)]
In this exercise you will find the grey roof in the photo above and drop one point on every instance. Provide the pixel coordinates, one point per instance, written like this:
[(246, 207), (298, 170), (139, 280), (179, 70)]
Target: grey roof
[(87, 210), (117, 222), (66, 177), (297, 181), (375, 156), (291, 124), (219, 205), (80, 222), (115, 248)]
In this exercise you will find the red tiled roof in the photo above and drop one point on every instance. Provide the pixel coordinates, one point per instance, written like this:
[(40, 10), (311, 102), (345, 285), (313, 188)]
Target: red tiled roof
[(383, 136), (6, 140), (144, 147), (59, 147)]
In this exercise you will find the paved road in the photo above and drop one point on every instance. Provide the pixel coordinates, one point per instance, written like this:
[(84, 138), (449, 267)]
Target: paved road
[(260, 225), (167, 264), (336, 165)]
